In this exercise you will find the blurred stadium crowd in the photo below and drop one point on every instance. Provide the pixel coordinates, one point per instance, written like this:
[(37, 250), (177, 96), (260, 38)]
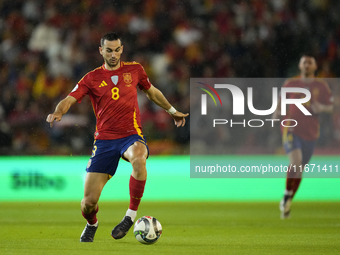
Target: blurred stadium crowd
[(46, 46)]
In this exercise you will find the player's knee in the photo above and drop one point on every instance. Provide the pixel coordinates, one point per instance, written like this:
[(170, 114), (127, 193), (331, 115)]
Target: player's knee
[(295, 168), (88, 203), (296, 163), (138, 162)]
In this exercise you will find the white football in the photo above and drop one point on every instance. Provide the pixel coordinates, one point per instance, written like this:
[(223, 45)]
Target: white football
[(147, 230)]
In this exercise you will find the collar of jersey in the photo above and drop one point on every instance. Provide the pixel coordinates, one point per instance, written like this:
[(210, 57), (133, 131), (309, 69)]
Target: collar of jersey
[(121, 65)]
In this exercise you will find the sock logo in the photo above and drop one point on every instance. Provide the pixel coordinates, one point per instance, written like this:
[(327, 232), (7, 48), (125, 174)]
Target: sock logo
[(138, 198)]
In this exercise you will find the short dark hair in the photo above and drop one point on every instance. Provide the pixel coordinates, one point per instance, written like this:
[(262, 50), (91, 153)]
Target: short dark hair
[(110, 37), (307, 54)]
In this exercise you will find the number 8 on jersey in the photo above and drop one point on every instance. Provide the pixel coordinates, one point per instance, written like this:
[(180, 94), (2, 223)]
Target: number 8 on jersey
[(115, 93)]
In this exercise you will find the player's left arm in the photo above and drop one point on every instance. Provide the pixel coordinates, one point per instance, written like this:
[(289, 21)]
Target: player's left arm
[(319, 108), (325, 102), (156, 96)]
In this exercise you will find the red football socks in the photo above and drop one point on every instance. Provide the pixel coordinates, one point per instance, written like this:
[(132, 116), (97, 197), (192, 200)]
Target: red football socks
[(136, 192), (292, 184), (91, 217)]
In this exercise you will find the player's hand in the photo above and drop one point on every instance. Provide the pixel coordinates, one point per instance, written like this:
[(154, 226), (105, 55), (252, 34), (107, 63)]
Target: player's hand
[(179, 118), (316, 107), (53, 117)]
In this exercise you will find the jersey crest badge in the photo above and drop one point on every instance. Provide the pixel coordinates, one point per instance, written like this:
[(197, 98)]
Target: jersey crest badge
[(114, 79), (127, 77)]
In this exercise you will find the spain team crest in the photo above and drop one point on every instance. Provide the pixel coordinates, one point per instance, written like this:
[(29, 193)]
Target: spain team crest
[(127, 77)]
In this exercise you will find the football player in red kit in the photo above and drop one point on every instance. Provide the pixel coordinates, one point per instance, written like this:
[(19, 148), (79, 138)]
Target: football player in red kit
[(112, 89), (299, 141)]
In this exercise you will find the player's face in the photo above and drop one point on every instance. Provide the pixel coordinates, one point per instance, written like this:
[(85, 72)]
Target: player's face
[(111, 51), (307, 65)]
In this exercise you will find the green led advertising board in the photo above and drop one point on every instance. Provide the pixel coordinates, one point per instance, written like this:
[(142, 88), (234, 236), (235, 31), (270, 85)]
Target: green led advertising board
[(62, 179)]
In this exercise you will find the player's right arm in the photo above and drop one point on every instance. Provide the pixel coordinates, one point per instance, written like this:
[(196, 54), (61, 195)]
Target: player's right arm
[(76, 95), (277, 112), (62, 108)]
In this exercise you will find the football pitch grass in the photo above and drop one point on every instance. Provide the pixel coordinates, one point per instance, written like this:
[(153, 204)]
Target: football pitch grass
[(188, 228)]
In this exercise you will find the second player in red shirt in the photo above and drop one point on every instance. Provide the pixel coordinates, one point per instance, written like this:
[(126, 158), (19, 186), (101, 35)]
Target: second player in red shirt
[(299, 141)]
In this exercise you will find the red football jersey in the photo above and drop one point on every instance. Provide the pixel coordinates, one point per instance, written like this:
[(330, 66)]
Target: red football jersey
[(308, 125), (114, 99)]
